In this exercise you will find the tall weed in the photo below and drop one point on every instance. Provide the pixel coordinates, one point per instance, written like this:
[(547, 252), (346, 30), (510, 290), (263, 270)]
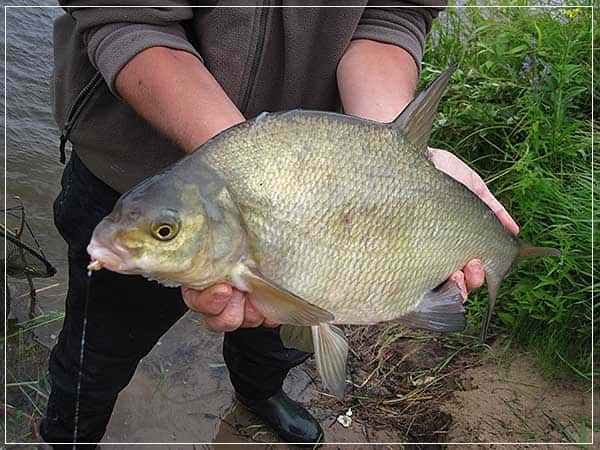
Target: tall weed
[(519, 110)]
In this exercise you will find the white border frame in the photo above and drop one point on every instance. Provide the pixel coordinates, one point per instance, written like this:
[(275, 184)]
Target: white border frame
[(587, 7)]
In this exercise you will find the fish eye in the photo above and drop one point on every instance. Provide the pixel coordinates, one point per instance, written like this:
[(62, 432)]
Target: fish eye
[(165, 231)]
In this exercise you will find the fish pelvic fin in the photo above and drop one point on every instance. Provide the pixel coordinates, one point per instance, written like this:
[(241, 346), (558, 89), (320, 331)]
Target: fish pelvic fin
[(330, 347), (276, 303), (331, 354), (527, 250), (440, 309), (416, 120), (298, 337)]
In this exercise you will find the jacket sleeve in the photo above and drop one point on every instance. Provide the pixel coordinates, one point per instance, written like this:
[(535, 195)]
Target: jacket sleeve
[(115, 35), (405, 26)]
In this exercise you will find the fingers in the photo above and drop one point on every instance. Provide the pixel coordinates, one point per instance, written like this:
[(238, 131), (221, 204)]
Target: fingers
[(252, 318), (471, 277), (224, 308), (459, 279), (478, 186), (208, 301), (270, 324), (231, 317), (474, 274), (252, 312), (502, 214), (451, 165)]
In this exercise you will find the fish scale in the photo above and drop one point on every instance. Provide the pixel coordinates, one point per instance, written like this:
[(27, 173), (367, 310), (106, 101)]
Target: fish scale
[(309, 191), (320, 218)]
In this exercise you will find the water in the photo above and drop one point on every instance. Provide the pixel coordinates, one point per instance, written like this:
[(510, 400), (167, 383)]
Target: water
[(181, 390), (32, 169)]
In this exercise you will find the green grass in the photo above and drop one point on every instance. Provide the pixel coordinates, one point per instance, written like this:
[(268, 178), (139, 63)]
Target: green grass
[(27, 386), (519, 110)]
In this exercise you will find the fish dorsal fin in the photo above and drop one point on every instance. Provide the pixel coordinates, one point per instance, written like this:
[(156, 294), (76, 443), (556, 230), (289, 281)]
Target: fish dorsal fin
[(416, 119), (277, 303)]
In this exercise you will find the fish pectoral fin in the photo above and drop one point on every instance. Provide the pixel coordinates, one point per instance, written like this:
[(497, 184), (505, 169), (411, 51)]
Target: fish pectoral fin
[(440, 309), (331, 353), (299, 337), (281, 305)]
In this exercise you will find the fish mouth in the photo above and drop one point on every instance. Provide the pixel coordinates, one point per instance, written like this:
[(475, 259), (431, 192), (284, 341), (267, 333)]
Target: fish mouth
[(109, 257)]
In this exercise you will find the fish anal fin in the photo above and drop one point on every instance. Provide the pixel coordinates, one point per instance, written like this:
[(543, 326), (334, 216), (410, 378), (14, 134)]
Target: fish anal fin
[(416, 120), (493, 283), (277, 303), (299, 337), (440, 310), (331, 354)]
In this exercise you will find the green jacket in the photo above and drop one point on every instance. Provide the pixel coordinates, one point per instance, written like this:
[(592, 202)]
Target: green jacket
[(266, 59)]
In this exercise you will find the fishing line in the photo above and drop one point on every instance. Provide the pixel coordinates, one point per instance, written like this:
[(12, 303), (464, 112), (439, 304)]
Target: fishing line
[(81, 353)]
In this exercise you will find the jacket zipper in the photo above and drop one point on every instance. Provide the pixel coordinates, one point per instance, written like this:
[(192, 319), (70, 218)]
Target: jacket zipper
[(80, 101), (262, 30)]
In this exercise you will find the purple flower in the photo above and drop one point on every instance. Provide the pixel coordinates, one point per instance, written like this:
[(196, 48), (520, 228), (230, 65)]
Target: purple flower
[(527, 60), (536, 80), (521, 73), (547, 68)]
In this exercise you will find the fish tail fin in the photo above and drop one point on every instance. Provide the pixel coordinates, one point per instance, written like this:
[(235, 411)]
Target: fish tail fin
[(527, 250)]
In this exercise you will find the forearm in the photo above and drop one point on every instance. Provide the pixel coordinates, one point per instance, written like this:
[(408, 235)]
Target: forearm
[(376, 80), (175, 92)]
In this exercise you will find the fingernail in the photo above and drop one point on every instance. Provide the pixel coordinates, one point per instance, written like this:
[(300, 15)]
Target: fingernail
[(221, 298), (455, 277), (270, 324), (222, 293), (474, 263)]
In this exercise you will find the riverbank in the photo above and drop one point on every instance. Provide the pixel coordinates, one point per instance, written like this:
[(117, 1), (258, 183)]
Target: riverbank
[(407, 387)]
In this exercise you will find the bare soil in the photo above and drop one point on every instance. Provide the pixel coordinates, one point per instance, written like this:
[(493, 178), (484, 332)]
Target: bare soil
[(425, 389), (407, 387)]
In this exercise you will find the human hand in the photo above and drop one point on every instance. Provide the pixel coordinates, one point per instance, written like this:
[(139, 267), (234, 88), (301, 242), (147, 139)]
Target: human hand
[(224, 308), (472, 276)]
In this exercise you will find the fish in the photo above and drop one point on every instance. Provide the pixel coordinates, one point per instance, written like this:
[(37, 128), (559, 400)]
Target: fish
[(321, 219)]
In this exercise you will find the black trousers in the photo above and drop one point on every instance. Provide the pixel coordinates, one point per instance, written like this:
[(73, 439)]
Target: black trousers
[(126, 316)]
